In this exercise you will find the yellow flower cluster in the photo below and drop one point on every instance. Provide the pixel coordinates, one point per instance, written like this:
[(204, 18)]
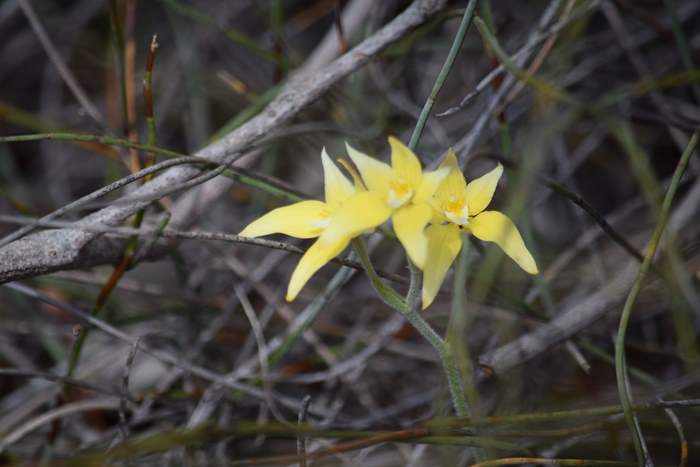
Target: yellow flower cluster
[(427, 209)]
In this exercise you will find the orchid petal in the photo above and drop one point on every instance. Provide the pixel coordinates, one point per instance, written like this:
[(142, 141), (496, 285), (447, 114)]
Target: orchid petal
[(444, 243), (494, 226), (357, 180), (453, 186), (338, 188), (322, 251), (429, 184), (405, 163), (376, 174), (450, 160), (305, 219), (480, 191), (362, 211), (409, 224), (438, 216)]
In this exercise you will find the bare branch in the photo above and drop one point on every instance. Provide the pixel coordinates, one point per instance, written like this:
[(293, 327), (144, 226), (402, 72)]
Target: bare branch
[(69, 249), (586, 312), (157, 233)]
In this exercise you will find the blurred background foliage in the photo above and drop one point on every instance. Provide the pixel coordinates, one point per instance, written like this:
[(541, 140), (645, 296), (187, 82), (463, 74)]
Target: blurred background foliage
[(630, 70)]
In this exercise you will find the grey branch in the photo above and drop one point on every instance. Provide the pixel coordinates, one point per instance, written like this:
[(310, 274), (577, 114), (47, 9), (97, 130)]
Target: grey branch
[(122, 233), (64, 249), (580, 316)]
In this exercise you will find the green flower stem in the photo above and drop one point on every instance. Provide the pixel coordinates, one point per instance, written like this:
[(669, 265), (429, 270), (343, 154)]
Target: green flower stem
[(620, 363), (454, 380), (415, 285), (449, 364), (442, 76), (409, 309), (459, 323), (457, 330), (386, 293)]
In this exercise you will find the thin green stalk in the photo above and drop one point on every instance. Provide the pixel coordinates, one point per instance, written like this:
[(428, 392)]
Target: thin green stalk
[(255, 107), (442, 76), (261, 182), (608, 358), (486, 13), (148, 97), (268, 185), (620, 363), (185, 10), (11, 114), (279, 45), (307, 317), (540, 282), (504, 138), (454, 377), (118, 37), (151, 140), (549, 90), (412, 315), (386, 293), (277, 17), (598, 218), (678, 285), (623, 133), (119, 270), (553, 461), (458, 325), (170, 439), (415, 285), (432, 434), (684, 48), (618, 238), (545, 88), (440, 425), (410, 312), (128, 258), (83, 138), (456, 330)]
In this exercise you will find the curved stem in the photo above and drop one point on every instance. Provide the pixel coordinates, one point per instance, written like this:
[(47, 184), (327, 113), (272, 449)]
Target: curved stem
[(409, 309), (386, 293), (458, 323), (442, 76), (413, 295), (620, 363)]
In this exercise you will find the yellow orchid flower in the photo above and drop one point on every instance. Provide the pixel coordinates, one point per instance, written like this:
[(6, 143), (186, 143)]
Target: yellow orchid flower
[(404, 189), (345, 214), (461, 206)]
